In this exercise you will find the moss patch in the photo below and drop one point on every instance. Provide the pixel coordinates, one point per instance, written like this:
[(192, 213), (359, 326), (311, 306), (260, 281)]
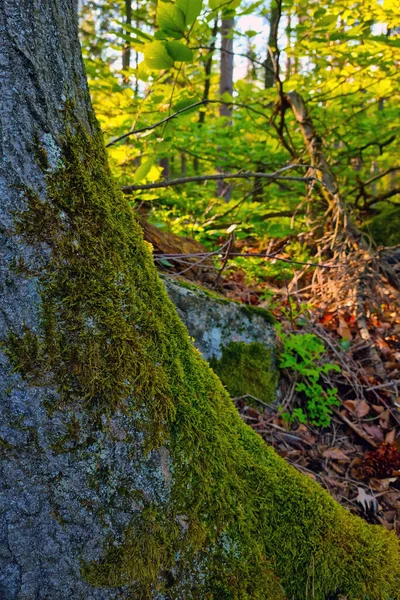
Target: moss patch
[(240, 523), (247, 309), (247, 369)]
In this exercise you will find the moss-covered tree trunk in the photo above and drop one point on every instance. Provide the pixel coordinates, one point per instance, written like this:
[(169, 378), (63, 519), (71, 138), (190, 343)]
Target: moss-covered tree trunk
[(125, 469)]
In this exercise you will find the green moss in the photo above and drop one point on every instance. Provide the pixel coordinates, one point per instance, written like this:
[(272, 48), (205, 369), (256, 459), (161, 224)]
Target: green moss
[(196, 287), (248, 309), (240, 523), (247, 369), (258, 310)]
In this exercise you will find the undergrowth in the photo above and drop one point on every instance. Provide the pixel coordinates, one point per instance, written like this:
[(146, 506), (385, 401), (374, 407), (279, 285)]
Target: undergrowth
[(301, 354)]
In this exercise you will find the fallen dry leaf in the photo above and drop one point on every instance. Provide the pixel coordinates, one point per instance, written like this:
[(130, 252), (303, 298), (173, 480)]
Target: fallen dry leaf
[(393, 500), (344, 330), (381, 485), (362, 409), (390, 437), (350, 404), (335, 454), (384, 420), (385, 523), (375, 432), (383, 347)]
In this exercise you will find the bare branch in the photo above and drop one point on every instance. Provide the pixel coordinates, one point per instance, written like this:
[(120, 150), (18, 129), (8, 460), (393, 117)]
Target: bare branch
[(248, 56), (179, 112), (374, 178), (204, 255), (381, 198), (128, 189)]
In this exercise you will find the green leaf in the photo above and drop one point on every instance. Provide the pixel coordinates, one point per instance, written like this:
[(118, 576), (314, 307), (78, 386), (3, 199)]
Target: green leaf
[(135, 30), (165, 263), (190, 8), (215, 4), (144, 170), (156, 56), (179, 52), (327, 20), (171, 19), (251, 33), (128, 38), (186, 102), (227, 98)]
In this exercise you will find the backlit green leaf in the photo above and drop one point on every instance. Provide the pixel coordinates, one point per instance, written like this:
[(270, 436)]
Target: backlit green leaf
[(179, 52), (171, 19), (157, 57), (144, 170), (190, 8)]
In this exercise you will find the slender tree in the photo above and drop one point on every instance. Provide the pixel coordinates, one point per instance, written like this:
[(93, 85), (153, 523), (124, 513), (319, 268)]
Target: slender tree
[(126, 55), (226, 84), (126, 471)]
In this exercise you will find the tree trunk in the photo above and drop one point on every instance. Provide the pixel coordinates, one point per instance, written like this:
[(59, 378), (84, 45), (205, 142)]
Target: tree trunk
[(207, 81), (226, 64), (226, 86), (126, 56), (272, 56), (126, 470)]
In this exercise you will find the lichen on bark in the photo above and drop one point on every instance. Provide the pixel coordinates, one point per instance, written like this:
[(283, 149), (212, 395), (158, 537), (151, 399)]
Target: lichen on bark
[(238, 522)]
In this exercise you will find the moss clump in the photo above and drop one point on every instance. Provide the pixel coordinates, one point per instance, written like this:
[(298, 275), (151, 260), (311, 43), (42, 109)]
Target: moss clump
[(247, 369), (240, 523)]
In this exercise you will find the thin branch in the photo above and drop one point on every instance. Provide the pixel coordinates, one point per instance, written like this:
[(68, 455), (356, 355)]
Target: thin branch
[(150, 127), (179, 112), (204, 255), (248, 56), (374, 178), (381, 198), (128, 189)]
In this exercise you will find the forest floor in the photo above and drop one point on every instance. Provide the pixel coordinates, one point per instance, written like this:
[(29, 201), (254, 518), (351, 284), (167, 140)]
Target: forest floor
[(357, 456)]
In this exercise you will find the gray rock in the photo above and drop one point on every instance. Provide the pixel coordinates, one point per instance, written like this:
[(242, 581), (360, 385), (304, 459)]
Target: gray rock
[(214, 322)]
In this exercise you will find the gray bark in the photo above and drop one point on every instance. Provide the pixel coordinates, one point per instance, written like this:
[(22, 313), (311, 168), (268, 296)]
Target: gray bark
[(226, 86), (269, 77), (126, 56), (46, 528), (226, 65)]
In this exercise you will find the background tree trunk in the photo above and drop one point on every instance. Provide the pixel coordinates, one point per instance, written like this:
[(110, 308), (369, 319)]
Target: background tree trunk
[(226, 86), (126, 471), (269, 77), (126, 56), (226, 64)]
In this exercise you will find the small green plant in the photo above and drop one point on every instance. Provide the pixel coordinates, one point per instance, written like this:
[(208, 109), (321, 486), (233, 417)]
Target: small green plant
[(302, 353)]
